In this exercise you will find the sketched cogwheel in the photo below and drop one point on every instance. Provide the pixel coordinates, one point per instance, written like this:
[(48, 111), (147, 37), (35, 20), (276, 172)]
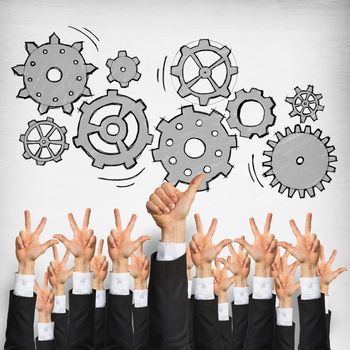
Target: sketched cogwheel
[(192, 143), (187, 87), (124, 151), (300, 161), (44, 135), (54, 74), (123, 69), (305, 104), (234, 108)]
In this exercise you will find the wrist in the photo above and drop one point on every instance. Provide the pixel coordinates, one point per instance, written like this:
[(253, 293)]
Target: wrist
[(174, 233), (308, 270), (325, 288), (120, 265), (26, 267), (189, 274), (204, 271), (81, 265), (262, 269), (44, 317), (240, 282), (222, 297), (59, 289), (285, 303), (140, 284), (97, 284)]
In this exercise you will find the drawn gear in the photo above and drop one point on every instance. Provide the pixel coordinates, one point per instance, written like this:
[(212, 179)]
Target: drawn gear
[(125, 153), (56, 136), (305, 104), (205, 72), (54, 74), (234, 108), (123, 69), (189, 125), (300, 161)]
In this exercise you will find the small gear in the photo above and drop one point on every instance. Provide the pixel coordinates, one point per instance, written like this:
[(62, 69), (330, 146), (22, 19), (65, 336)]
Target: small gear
[(300, 161), (124, 152), (54, 74), (204, 72), (234, 108), (123, 69), (210, 154), (53, 141), (305, 104)]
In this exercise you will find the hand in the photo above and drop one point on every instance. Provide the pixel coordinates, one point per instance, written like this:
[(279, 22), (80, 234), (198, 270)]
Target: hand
[(189, 264), (139, 269), (203, 251), (238, 264), (324, 269), (44, 300), (264, 248), (28, 247), (285, 285), (83, 243), (99, 267), (120, 245), (307, 249), (169, 208), (222, 282), (58, 272)]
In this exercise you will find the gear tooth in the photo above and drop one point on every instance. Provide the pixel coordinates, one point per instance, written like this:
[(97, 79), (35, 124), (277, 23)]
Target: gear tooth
[(86, 91), (176, 70), (54, 39), (84, 107), (49, 119), (149, 139), (203, 100), (293, 113), (310, 88), (332, 159), (311, 192), (185, 50), (282, 188), (124, 84), (23, 93), (318, 96), (307, 129), (297, 129), (90, 68), (291, 192), (318, 133), (274, 182), (225, 51), (18, 70), (225, 92), (226, 169), (301, 193), (269, 173), (66, 146), (130, 163), (78, 45), (68, 108), (110, 78), (26, 155), (233, 70), (267, 163), (325, 140), (204, 42), (289, 100), (326, 178), (122, 53), (320, 186), (157, 155), (272, 143), (330, 149), (302, 119), (40, 162), (137, 76), (97, 163), (204, 186), (136, 60), (31, 123), (109, 63), (331, 169), (279, 136), (42, 109), (288, 130), (30, 46), (187, 109), (267, 153), (63, 129), (57, 159), (297, 89), (172, 179), (320, 108), (77, 142), (183, 91), (162, 125)]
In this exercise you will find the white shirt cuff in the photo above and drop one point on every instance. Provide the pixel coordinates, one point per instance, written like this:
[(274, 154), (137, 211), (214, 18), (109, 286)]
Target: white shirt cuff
[(284, 317), (59, 304), (24, 285), (241, 295), (119, 283), (204, 288), (46, 331), (170, 251), (223, 312), (100, 301), (82, 283), (140, 298), (189, 289), (262, 287), (310, 288), (327, 304)]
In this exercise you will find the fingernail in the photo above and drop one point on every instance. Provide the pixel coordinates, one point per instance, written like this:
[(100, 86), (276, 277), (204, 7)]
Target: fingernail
[(172, 205), (174, 199), (166, 210)]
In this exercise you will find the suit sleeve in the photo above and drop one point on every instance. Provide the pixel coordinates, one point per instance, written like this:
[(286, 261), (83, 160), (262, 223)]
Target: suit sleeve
[(20, 320), (168, 305), (100, 328), (60, 329), (284, 338), (45, 345), (328, 326), (239, 326), (225, 334), (141, 327)]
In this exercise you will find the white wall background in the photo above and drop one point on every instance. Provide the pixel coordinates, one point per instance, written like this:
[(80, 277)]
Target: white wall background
[(278, 45)]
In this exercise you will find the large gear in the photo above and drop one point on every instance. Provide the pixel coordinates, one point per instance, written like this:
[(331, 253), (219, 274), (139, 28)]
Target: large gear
[(34, 147), (300, 161), (54, 74), (205, 129), (125, 153), (123, 69), (234, 108), (305, 104), (204, 72)]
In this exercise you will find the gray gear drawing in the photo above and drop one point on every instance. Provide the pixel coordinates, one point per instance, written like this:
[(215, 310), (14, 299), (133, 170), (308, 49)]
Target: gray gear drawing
[(206, 129), (305, 104), (125, 153), (123, 69), (234, 108), (300, 161), (45, 141), (54, 74), (205, 72)]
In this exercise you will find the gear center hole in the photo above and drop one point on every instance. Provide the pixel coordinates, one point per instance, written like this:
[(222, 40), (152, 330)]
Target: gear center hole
[(194, 148), (54, 75), (300, 160), (123, 69), (113, 129), (251, 113)]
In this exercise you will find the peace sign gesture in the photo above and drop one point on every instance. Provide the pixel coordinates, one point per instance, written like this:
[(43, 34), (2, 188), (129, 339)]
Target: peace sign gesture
[(83, 243), (120, 245), (99, 266), (44, 300), (28, 247)]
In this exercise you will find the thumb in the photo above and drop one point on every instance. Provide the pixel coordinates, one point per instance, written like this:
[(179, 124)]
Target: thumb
[(140, 241), (49, 244), (340, 270), (286, 246), (243, 243), (219, 247), (195, 184), (63, 239)]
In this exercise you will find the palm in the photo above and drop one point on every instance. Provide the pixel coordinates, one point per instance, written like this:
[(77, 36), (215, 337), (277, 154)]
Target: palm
[(237, 263), (45, 298), (97, 267), (222, 281)]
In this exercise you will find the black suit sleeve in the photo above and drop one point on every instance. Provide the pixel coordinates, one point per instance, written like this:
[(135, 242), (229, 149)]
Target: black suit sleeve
[(261, 324), (141, 327), (20, 320), (328, 326), (225, 334), (239, 326), (60, 330), (81, 324), (284, 338), (168, 305), (190, 320), (100, 328), (313, 327), (45, 345), (119, 322)]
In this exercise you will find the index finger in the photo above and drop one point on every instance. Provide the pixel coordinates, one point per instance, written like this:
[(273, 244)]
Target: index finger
[(212, 227), (199, 225), (55, 253), (100, 247), (308, 223), (131, 223), (86, 219), (253, 227), (267, 225), (41, 226), (72, 222), (27, 221), (117, 219)]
